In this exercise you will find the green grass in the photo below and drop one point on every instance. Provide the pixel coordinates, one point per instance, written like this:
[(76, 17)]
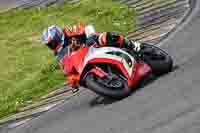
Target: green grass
[(25, 73)]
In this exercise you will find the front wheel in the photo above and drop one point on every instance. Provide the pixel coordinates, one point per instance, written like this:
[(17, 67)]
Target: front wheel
[(116, 88), (157, 58)]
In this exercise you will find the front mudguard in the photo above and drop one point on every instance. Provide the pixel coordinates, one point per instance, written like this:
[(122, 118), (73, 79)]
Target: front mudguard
[(97, 71)]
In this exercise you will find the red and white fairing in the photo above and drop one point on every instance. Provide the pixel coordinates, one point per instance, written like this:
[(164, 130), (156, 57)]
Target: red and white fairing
[(111, 55), (133, 70)]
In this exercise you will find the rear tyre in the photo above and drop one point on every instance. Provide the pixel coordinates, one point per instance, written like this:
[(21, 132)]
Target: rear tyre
[(158, 59), (116, 89)]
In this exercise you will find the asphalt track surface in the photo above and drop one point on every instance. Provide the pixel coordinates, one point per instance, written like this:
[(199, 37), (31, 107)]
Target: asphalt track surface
[(7, 3), (171, 104)]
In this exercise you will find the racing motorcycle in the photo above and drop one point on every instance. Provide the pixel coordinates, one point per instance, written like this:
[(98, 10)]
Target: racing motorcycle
[(115, 73)]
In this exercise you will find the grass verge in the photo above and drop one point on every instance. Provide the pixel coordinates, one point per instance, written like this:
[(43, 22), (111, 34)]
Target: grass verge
[(25, 70)]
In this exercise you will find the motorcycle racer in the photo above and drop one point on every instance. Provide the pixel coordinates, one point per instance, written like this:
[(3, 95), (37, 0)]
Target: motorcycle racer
[(57, 39), (70, 39)]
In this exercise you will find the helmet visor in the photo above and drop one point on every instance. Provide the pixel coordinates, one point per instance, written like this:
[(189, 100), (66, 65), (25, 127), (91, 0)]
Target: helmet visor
[(52, 45)]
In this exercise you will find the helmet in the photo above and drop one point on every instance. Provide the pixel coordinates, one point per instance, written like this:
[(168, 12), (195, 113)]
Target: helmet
[(89, 30), (53, 37)]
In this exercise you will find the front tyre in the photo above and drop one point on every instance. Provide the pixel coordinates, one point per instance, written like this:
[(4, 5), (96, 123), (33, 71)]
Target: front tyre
[(116, 88)]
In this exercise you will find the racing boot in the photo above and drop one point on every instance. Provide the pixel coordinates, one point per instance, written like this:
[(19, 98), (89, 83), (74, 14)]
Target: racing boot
[(132, 45)]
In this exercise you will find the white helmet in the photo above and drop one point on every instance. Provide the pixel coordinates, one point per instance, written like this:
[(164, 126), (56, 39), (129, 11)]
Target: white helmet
[(89, 30), (53, 36)]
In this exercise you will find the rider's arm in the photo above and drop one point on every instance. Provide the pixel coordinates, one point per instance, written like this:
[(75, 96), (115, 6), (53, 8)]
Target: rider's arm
[(69, 72)]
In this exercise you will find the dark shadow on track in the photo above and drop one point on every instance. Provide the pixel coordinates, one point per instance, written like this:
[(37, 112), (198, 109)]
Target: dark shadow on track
[(152, 78), (99, 100)]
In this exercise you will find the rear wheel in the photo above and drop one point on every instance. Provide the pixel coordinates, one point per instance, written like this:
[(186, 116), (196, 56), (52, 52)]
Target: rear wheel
[(114, 86), (157, 58)]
